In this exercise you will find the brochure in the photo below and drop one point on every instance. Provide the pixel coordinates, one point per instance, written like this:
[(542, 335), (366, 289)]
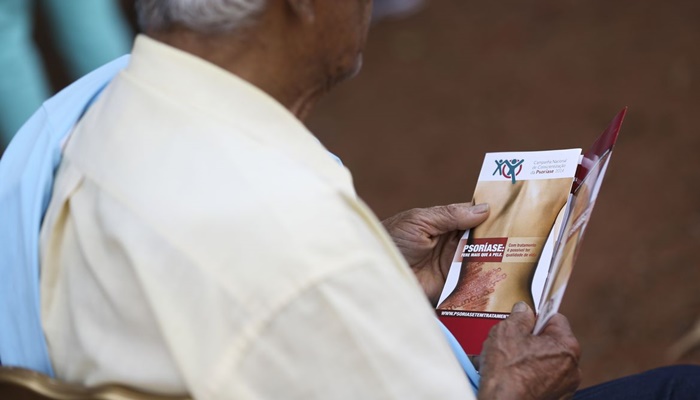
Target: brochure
[(540, 203)]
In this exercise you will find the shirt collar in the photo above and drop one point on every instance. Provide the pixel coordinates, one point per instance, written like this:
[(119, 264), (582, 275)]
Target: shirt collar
[(223, 95)]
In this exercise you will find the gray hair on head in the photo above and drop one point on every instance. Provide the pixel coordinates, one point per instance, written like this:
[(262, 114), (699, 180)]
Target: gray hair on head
[(198, 15)]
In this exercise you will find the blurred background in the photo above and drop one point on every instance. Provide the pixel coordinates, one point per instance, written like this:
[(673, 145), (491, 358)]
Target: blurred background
[(461, 78), (446, 81)]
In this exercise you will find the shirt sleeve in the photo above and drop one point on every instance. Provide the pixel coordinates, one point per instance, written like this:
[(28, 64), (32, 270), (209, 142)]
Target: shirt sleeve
[(302, 304), (358, 334)]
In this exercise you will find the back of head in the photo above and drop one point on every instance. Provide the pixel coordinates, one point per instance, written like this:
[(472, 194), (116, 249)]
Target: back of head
[(197, 15), (295, 50)]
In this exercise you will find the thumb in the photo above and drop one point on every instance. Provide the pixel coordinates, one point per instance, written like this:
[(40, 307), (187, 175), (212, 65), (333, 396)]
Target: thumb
[(455, 217), (522, 316)]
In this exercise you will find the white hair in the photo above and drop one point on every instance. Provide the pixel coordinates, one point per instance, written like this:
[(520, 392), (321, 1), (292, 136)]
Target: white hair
[(198, 15)]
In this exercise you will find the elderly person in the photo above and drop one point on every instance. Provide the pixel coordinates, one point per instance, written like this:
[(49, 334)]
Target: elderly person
[(200, 240)]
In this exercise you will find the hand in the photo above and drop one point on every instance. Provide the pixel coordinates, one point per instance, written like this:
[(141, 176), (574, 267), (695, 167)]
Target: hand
[(515, 364), (428, 238)]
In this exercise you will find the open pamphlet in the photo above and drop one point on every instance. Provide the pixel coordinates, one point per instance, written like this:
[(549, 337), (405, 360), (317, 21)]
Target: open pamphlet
[(541, 202)]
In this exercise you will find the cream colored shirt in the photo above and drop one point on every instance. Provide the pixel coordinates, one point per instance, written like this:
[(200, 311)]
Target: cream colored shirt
[(200, 240)]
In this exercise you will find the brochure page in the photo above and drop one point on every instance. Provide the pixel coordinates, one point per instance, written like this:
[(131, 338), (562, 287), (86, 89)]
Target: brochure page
[(540, 206)]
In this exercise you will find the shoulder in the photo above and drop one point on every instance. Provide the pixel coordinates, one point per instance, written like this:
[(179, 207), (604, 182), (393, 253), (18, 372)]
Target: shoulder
[(229, 200), (236, 209)]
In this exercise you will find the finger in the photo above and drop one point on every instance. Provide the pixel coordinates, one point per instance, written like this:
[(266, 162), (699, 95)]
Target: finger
[(558, 325), (559, 328), (476, 361), (522, 317), (558, 322), (455, 217)]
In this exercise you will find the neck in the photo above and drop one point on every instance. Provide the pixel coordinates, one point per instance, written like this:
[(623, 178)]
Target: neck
[(264, 63)]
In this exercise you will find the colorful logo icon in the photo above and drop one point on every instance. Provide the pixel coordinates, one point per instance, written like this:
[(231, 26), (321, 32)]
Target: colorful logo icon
[(509, 169)]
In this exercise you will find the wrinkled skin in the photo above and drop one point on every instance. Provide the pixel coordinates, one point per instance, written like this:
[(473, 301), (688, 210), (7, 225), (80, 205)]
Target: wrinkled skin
[(428, 238), (514, 364)]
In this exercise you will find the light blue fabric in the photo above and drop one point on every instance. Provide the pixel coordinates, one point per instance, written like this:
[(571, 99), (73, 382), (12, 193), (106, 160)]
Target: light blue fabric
[(26, 179), (464, 361)]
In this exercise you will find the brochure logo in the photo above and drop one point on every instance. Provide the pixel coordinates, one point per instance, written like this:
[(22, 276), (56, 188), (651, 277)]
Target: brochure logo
[(509, 169)]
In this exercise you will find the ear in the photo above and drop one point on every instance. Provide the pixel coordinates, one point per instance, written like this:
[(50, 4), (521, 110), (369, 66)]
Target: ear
[(304, 9)]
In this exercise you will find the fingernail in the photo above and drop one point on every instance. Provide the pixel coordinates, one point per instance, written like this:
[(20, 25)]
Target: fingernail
[(520, 307), (480, 208)]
